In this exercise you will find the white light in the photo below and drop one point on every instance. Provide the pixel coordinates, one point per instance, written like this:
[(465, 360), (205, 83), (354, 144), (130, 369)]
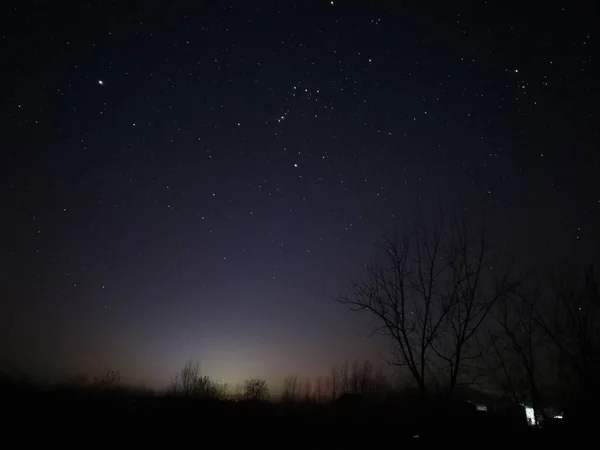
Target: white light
[(101, 83), (530, 415)]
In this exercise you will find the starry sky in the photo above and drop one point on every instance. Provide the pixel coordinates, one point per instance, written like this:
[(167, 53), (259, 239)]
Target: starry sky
[(202, 179)]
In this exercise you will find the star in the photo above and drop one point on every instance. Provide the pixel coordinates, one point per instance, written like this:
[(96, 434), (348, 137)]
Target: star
[(101, 83)]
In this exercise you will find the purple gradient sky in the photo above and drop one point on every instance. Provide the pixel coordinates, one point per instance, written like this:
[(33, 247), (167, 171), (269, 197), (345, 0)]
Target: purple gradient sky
[(214, 194)]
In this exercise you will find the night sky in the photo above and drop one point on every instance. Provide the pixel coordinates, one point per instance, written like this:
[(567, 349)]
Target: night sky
[(186, 181)]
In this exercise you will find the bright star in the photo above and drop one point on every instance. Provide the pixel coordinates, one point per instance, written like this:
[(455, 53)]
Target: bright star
[(101, 83)]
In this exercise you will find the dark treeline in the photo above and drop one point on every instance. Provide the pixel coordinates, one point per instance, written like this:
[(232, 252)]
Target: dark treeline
[(356, 378), (368, 411)]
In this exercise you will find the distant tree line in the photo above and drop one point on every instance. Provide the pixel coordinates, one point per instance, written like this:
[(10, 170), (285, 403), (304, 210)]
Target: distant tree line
[(190, 383), (356, 378), (187, 383)]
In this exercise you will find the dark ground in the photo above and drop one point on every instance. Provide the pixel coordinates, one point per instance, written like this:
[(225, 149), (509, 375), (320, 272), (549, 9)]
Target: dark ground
[(84, 419)]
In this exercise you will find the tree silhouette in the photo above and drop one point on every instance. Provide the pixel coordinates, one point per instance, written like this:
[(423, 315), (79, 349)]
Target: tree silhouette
[(344, 376), (361, 378), (291, 389), (514, 348), (571, 320), (109, 380), (478, 280), (430, 295), (307, 391), (319, 390), (333, 382), (256, 390), (189, 382)]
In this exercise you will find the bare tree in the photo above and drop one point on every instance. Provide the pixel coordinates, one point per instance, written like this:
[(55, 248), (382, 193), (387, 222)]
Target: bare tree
[(213, 390), (334, 383), (365, 378), (478, 282), (188, 381), (174, 386), (207, 388), (354, 377), (430, 296), (291, 389), (515, 348), (319, 390), (572, 323), (256, 390), (109, 380), (307, 390), (344, 373), (238, 391)]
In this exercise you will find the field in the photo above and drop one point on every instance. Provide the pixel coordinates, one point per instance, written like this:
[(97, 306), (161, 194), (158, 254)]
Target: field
[(83, 419)]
